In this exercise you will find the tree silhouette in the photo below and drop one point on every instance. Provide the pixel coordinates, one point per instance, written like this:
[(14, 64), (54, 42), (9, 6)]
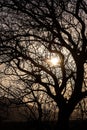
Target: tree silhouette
[(31, 33)]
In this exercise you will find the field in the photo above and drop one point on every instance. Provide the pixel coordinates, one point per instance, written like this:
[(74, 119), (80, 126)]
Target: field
[(74, 125)]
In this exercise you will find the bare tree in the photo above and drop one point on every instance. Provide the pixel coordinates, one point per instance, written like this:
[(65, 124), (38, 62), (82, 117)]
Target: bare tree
[(32, 33)]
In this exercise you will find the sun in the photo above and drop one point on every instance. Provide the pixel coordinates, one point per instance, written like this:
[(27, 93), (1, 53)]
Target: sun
[(54, 61)]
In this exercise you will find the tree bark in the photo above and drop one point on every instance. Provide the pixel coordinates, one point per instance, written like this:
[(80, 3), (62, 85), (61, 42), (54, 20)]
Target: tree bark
[(63, 120)]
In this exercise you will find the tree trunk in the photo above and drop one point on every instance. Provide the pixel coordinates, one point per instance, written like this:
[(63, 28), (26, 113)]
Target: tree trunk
[(63, 120)]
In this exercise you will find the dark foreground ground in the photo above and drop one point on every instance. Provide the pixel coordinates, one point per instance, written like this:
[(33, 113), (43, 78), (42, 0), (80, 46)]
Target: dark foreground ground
[(74, 125)]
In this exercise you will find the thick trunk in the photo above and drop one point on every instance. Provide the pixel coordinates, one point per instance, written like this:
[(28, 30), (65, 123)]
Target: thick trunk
[(63, 120)]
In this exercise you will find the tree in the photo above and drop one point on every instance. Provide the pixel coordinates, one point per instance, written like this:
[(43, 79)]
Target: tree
[(32, 33)]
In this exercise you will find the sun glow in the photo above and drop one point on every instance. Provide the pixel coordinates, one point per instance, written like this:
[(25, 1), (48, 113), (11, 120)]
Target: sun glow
[(54, 61)]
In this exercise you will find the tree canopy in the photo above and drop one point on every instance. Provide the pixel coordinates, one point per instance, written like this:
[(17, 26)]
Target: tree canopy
[(34, 32)]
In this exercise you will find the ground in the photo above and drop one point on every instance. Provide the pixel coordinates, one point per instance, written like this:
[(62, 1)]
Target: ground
[(74, 125)]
